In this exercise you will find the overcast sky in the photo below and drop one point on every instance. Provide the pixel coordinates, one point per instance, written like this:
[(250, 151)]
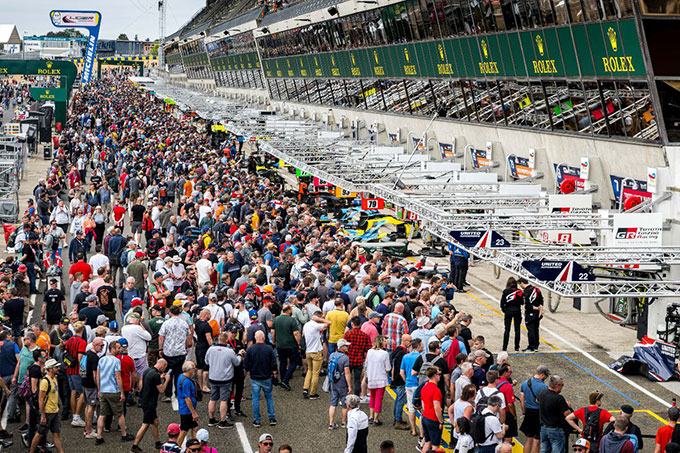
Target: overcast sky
[(131, 17)]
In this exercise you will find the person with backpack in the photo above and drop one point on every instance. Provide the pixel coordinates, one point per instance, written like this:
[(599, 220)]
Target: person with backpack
[(633, 429), (340, 382), (486, 428), (511, 306), (618, 441), (592, 418), (48, 405), (484, 393), (528, 400), (433, 358), (432, 419)]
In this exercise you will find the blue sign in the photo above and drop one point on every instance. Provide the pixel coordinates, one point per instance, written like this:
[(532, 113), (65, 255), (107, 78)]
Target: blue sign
[(90, 20), (558, 271), (480, 239)]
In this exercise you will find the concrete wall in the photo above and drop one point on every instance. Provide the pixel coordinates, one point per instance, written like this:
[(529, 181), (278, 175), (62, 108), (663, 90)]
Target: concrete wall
[(607, 156)]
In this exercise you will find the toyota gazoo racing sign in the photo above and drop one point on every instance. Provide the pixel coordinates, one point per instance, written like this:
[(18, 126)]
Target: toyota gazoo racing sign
[(558, 271), (479, 239), (638, 230), (75, 18)]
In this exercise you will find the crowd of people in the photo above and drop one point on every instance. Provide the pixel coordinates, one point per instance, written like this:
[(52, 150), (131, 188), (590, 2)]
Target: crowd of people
[(191, 277)]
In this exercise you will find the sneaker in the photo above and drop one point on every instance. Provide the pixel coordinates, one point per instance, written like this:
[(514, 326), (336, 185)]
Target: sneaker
[(333, 426), (256, 424), (213, 422), (314, 396), (136, 449), (224, 424), (49, 445), (272, 422), (365, 399), (419, 448), (158, 445), (107, 429), (127, 438), (80, 423), (343, 426), (230, 419), (23, 428), (401, 426), (305, 393), (527, 351), (6, 443), (24, 439), (240, 414), (371, 421), (99, 441), (285, 385), (91, 435), (377, 423), (4, 434)]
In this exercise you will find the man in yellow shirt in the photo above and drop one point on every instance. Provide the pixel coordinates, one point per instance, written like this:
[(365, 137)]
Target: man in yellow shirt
[(339, 319), (48, 403)]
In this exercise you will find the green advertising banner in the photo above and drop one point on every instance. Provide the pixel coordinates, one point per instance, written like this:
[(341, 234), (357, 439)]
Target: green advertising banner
[(49, 94), (238, 62), (607, 49)]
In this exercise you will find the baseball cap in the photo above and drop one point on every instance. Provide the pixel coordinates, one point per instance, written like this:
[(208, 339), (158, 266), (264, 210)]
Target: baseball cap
[(342, 342), (233, 328), (22, 268), (136, 301), (422, 322), (268, 288), (122, 342), (193, 443), (581, 442), (157, 275), (595, 397), (626, 409), (102, 319), (157, 307), (65, 321), (139, 255), (375, 314), (90, 298), (177, 302), (162, 251), (135, 316), (51, 363), (113, 325), (253, 314), (265, 436), (203, 435), (212, 296), (173, 429)]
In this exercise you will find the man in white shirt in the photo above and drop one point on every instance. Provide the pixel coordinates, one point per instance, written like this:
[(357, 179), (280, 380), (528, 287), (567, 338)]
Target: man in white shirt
[(204, 268), (99, 260), (216, 312), (137, 337), (493, 429), (491, 390), (314, 352)]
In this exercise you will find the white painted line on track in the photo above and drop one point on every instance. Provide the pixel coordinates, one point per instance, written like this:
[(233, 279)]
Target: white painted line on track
[(591, 358), (243, 437)]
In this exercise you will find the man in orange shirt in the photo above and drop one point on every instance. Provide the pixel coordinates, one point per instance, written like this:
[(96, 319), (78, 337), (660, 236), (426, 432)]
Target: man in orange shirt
[(665, 433), (42, 339)]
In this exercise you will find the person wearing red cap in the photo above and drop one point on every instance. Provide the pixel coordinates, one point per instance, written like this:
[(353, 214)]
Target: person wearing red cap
[(171, 445), (139, 271)]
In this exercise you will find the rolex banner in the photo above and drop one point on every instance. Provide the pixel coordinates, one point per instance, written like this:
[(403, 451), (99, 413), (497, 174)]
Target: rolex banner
[(90, 20)]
